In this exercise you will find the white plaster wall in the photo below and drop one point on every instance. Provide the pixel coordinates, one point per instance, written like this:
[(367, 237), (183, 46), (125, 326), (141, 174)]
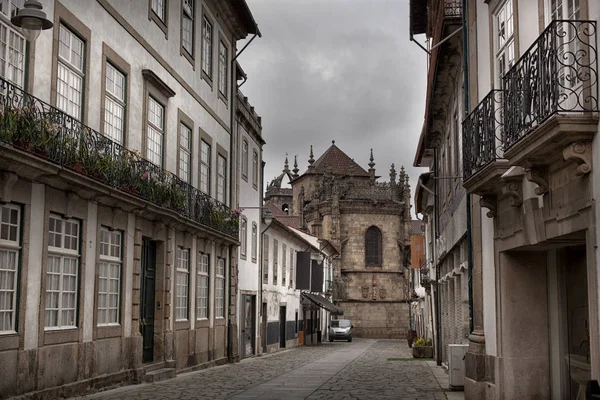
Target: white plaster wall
[(106, 29), (488, 271), (484, 84)]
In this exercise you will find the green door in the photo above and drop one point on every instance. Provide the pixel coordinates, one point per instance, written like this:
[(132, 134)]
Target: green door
[(147, 298)]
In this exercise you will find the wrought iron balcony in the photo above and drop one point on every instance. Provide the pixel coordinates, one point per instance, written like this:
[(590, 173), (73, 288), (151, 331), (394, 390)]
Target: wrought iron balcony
[(557, 74), (33, 126), (482, 134)]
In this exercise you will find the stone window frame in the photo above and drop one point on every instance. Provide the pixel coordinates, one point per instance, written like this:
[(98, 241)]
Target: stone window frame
[(183, 51), (255, 162), (245, 159), (206, 138), (209, 275), (109, 259), (293, 253), (243, 237), (223, 279), (283, 264), (157, 89), (112, 57), (16, 246), (254, 242), (63, 16), (182, 271), (369, 249), (265, 264), (205, 76), (275, 262), (152, 16), (222, 95), (184, 119), (223, 153)]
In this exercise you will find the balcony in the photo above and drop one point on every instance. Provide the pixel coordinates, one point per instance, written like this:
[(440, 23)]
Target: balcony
[(482, 142), (31, 127), (551, 94)]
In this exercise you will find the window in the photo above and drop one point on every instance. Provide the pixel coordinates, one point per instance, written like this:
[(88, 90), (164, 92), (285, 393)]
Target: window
[(245, 159), (567, 41), (109, 277), (254, 242), (254, 168), (202, 283), (222, 68), (221, 178), (243, 236), (505, 43), (187, 26), (373, 247), (10, 221), (266, 259), (159, 7), (207, 40), (292, 259), (12, 55), (182, 280), (185, 152), (62, 272), (205, 167), (220, 288), (10, 7), (114, 104), (156, 131), (275, 260), (70, 74), (283, 264)]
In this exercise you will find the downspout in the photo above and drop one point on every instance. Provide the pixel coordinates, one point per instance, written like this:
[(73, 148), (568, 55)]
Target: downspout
[(465, 37), (232, 111), (438, 314), (260, 248)]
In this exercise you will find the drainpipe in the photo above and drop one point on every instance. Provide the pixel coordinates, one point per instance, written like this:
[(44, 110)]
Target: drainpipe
[(438, 314), (469, 228), (233, 97)]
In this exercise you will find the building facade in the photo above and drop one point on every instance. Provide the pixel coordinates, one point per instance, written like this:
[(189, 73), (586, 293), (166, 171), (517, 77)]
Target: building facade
[(117, 157)]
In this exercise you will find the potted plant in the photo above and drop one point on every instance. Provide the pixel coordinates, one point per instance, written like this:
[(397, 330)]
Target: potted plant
[(422, 348)]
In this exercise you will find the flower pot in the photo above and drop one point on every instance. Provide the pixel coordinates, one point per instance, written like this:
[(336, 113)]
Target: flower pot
[(422, 351), (78, 167), (22, 144)]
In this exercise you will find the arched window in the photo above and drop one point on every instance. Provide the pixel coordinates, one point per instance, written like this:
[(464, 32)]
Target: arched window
[(285, 208), (373, 255)]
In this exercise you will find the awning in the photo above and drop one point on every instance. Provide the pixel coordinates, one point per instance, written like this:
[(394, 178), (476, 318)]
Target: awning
[(323, 303)]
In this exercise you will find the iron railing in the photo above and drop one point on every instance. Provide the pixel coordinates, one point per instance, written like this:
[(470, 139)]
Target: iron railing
[(31, 125), (482, 134), (557, 74)]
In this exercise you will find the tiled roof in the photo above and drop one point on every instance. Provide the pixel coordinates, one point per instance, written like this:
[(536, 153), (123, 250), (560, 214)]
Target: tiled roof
[(290, 220), (276, 211), (339, 162)]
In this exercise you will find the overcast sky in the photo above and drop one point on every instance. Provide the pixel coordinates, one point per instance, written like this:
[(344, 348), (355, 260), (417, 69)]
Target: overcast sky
[(340, 70)]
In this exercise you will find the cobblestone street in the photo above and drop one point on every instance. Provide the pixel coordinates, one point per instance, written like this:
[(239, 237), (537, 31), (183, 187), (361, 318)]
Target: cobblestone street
[(363, 369)]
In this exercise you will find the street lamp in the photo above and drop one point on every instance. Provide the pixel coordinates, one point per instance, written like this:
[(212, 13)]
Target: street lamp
[(32, 20)]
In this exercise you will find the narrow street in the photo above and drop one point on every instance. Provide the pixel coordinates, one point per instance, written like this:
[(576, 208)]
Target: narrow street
[(363, 369)]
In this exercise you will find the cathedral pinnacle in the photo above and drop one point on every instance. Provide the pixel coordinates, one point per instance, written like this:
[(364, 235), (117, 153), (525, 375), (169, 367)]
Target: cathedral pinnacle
[(371, 160), (393, 174), (311, 160), (286, 167), (295, 170)]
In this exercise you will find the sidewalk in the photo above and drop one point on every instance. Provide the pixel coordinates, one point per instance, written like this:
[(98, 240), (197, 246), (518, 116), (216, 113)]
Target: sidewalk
[(442, 377)]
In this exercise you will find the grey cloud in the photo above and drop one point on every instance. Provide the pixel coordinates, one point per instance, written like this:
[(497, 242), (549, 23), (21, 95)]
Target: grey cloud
[(340, 70)]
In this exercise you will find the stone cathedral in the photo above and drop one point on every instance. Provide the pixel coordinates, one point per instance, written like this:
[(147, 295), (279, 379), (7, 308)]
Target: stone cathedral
[(368, 221)]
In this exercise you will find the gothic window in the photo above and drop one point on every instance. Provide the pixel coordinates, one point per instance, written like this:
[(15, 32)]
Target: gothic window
[(373, 255)]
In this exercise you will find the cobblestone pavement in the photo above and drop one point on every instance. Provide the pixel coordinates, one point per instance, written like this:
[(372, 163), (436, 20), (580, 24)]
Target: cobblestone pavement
[(358, 370)]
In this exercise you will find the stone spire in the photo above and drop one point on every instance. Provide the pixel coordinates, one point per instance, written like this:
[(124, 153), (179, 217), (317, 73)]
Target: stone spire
[(295, 170), (286, 166), (372, 166), (393, 175), (311, 159)]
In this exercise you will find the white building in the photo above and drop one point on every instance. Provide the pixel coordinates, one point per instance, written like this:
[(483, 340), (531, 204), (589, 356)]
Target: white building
[(116, 184)]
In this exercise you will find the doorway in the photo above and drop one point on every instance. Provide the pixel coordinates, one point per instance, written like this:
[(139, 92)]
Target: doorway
[(282, 323), (248, 325), (148, 286)]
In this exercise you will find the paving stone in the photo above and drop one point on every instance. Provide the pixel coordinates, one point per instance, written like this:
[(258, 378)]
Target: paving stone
[(333, 371)]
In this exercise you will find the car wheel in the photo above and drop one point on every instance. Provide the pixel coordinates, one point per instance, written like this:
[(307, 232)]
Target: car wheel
[(350, 339), (331, 339)]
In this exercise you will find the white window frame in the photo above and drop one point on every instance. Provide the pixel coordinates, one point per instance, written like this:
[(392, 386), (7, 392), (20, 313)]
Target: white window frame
[(205, 166), (223, 68), (221, 178), (265, 259), (13, 5), (207, 47), (283, 264), (292, 261), (62, 254), (159, 7), (220, 288), (255, 168), (275, 261), (155, 135), (243, 236), (254, 241), (202, 286), (506, 49), (182, 284), (9, 247), (109, 262), (187, 36), (12, 54), (185, 152), (69, 97), (245, 149), (113, 101)]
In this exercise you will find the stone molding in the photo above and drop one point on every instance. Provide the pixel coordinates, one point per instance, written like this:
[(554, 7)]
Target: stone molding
[(581, 153), (538, 176), (490, 202), (512, 188)]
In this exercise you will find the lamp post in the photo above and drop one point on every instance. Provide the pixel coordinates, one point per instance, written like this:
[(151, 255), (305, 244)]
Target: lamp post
[(32, 20)]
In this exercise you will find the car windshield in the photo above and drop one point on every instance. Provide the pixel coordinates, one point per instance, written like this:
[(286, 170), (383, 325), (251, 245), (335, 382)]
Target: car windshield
[(340, 323)]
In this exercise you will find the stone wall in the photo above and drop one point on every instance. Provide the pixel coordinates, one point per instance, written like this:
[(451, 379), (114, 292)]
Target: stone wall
[(386, 320)]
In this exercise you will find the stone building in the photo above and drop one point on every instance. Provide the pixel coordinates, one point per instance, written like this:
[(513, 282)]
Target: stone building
[(368, 224), (116, 173)]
